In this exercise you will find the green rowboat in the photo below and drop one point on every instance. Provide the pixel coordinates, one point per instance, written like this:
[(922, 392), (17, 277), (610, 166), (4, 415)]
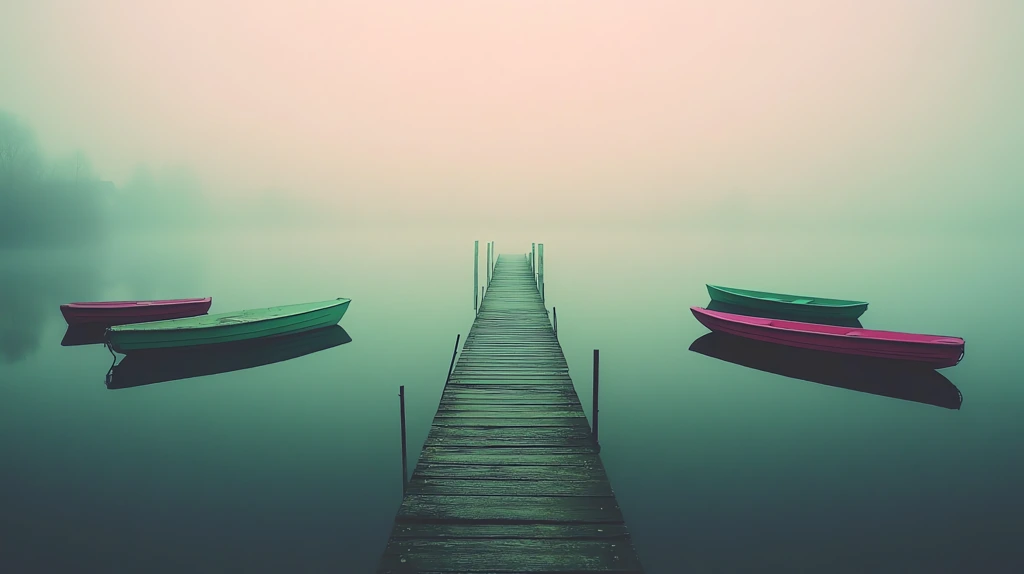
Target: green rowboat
[(226, 327), (795, 305)]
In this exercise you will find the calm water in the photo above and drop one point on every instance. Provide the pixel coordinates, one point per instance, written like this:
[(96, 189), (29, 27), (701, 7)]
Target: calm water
[(295, 466)]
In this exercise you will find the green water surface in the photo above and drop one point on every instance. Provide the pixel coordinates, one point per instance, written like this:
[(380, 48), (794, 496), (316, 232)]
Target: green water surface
[(295, 466)]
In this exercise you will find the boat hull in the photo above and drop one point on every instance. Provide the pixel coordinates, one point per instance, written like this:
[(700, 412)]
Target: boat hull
[(738, 310), (226, 327), (795, 305), (128, 312), (930, 350)]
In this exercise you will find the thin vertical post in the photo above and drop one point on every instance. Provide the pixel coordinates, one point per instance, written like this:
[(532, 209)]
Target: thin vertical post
[(494, 259), (476, 274), (405, 457), (540, 270), (554, 311), (597, 360), (488, 283), (533, 261), (455, 351)]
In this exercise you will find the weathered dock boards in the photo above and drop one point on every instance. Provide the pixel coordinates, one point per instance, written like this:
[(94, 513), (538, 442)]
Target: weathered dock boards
[(510, 479)]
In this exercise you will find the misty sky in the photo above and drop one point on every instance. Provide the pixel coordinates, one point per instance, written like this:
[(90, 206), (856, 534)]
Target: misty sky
[(631, 109)]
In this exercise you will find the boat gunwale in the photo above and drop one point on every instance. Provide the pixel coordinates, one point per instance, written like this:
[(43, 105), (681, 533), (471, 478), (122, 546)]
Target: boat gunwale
[(768, 325), (109, 305), (134, 327), (841, 303), (294, 327)]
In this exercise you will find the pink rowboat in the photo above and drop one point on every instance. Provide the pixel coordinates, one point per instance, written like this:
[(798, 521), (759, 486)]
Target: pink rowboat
[(125, 312), (934, 351)]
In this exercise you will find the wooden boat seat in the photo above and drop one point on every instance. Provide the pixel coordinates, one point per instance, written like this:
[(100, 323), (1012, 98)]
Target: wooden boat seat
[(780, 300)]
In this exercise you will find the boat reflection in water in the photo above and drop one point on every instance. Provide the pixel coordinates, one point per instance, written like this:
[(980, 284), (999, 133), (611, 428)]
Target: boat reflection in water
[(150, 366), (83, 335), (868, 375), (737, 310)]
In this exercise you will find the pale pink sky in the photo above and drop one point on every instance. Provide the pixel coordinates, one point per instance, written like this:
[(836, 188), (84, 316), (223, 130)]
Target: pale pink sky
[(651, 104)]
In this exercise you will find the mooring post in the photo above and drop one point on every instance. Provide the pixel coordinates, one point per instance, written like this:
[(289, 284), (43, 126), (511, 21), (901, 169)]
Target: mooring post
[(554, 312), (405, 457), (454, 352), (597, 359), (540, 270), (488, 283), (476, 274), (533, 261)]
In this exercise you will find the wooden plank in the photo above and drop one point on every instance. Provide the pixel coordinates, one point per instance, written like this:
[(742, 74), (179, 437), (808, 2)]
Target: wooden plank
[(526, 436), (579, 472), (521, 531), (561, 455), (521, 411), (510, 388), (451, 404), (512, 395), (588, 486), (480, 375), (508, 422), (527, 509), (508, 556)]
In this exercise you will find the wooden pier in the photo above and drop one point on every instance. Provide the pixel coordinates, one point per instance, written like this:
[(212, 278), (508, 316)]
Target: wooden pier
[(510, 479)]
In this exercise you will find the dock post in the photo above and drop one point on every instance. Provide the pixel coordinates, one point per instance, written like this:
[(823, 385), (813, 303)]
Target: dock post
[(533, 261), (554, 312), (597, 355), (405, 457), (540, 270), (488, 283), (476, 274), (454, 352)]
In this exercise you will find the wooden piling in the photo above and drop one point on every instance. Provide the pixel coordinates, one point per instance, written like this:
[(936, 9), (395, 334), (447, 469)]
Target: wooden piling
[(405, 456), (597, 360), (476, 274), (540, 271), (533, 261), (455, 351)]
